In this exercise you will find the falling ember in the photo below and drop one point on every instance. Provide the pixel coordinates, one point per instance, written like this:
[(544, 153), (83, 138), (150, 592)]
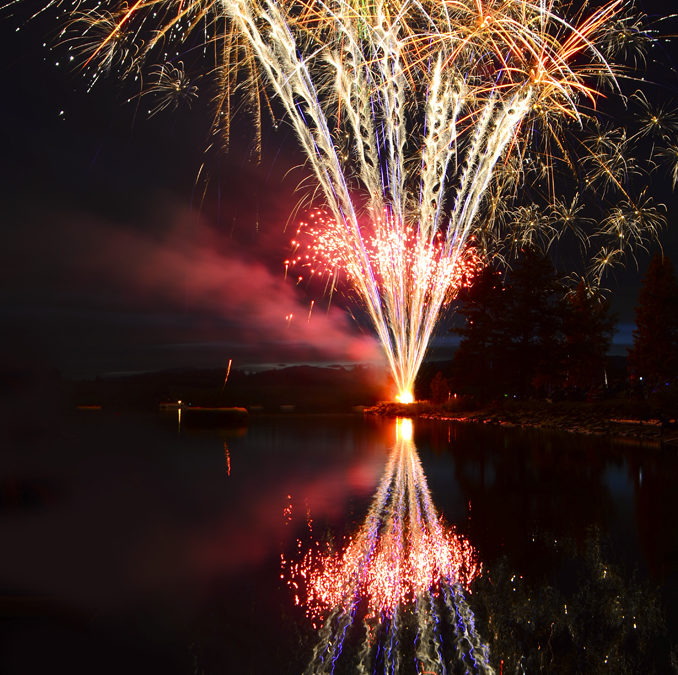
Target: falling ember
[(403, 558), (287, 511), (228, 372)]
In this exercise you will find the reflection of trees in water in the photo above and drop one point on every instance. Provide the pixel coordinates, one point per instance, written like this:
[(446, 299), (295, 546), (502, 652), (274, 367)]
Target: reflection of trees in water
[(538, 503), (656, 502), (584, 616), (512, 480), (654, 479)]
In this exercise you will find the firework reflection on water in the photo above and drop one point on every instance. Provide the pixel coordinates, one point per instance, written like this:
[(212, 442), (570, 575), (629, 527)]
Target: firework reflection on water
[(397, 588)]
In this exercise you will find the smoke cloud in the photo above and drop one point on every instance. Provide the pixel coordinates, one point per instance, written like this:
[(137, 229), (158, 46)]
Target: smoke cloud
[(100, 296)]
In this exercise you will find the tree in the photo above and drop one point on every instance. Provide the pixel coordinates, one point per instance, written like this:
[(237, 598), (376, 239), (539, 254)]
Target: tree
[(525, 335), (512, 336), (587, 329), (654, 355), (533, 323), (478, 364), (440, 389)]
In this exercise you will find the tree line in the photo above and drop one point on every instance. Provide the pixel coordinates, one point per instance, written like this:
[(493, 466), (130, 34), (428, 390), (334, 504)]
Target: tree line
[(524, 333)]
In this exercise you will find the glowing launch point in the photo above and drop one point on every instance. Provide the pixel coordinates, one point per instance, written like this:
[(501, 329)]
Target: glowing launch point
[(405, 397)]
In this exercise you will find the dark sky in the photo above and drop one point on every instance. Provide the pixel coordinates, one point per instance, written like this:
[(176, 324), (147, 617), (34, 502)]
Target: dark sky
[(111, 261)]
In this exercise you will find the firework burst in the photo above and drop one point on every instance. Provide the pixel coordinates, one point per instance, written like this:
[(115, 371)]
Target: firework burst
[(424, 119), (171, 88)]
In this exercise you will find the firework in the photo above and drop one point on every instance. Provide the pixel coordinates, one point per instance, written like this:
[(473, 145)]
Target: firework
[(404, 572), (400, 260), (171, 87), (421, 122)]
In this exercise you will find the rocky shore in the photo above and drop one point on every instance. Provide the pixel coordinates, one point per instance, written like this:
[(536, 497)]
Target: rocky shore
[(578, 418)]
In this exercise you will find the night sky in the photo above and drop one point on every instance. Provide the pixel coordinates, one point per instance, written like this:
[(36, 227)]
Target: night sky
[(113, 261)]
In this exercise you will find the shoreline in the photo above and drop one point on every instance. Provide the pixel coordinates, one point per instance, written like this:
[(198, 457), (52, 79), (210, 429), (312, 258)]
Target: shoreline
[(567, 418)]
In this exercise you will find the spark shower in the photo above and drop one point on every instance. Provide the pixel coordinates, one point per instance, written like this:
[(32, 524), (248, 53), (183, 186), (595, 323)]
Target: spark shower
[(419, 120)]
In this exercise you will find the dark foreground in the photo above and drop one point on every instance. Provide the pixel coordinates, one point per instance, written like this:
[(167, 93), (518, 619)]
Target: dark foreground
[(133, 545)]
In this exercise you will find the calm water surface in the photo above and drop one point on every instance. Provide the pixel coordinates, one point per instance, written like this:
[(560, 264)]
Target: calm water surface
[(131, 546)]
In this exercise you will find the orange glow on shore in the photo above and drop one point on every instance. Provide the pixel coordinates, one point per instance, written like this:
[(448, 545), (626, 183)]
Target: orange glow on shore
[(405, 397)]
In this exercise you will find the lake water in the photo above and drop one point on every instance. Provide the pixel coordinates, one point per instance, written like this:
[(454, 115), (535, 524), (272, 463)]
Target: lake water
[(132, 546)]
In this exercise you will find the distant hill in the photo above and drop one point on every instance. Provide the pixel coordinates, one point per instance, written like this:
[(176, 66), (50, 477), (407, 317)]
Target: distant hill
[(303, 388)]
